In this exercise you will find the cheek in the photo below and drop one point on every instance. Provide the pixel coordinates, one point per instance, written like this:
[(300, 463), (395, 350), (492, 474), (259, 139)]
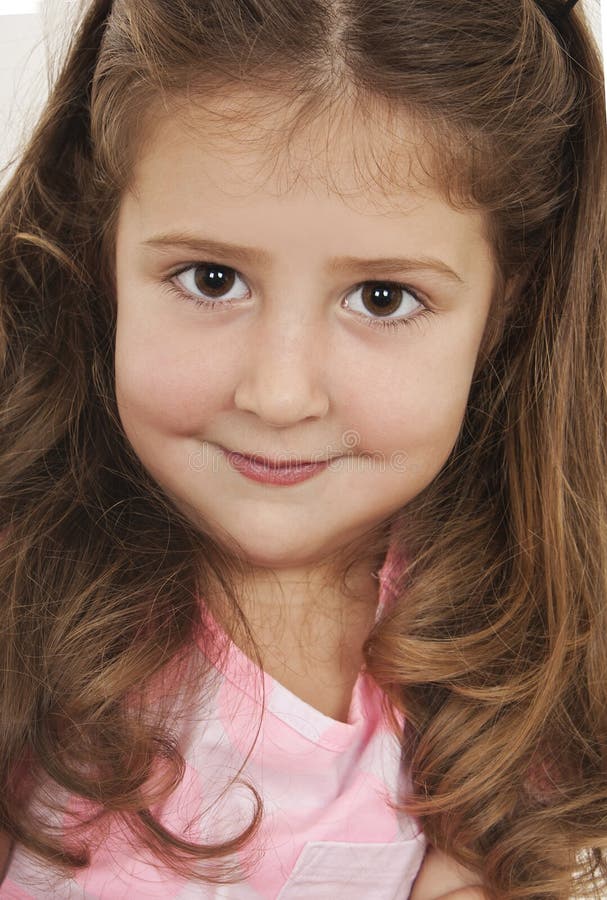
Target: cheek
[(419, 402), (426, 421), (165, 380)]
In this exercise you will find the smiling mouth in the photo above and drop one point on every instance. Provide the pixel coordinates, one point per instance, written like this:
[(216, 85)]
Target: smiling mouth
[(275, 463), (269, 463)]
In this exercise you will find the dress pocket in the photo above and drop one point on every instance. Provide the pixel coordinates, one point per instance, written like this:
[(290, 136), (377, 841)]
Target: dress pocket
[(343, 871)]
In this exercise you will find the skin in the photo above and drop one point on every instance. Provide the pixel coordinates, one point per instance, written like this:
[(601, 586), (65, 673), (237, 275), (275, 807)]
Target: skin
[(440, 878), (289, 372)]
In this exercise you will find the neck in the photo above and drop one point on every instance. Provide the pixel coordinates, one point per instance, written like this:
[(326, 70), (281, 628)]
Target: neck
[(301, 615)]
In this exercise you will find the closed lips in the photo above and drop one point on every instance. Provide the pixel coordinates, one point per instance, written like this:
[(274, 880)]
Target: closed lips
[(277, 464)]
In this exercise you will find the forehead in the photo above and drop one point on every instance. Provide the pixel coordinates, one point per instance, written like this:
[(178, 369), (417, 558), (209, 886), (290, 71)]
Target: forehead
[(371, 152)]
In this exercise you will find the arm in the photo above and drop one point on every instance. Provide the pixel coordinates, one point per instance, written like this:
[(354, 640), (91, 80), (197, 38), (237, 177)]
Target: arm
[(440, 878)]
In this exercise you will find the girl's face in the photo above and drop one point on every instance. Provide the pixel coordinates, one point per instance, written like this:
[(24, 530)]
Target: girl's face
[(292, 361)]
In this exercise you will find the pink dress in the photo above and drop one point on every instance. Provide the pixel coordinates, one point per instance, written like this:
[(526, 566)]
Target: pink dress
[(328, 830)]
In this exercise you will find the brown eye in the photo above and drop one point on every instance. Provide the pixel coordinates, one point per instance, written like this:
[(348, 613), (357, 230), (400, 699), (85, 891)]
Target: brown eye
[(213, 280), (208, 284), (381, 298)]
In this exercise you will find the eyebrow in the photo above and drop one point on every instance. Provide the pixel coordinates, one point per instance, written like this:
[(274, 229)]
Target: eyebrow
[(341, 264)]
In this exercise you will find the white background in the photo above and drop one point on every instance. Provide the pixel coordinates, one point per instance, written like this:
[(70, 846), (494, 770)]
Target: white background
[(33, 34)]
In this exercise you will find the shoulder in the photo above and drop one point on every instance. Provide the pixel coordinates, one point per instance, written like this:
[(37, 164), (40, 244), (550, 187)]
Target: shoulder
[(441, 878)]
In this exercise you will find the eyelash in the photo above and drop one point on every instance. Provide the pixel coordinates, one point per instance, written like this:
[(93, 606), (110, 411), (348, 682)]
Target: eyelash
[(169, 285)]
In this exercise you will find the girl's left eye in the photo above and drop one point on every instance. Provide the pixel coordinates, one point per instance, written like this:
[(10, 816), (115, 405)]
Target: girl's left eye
[(214, 280)]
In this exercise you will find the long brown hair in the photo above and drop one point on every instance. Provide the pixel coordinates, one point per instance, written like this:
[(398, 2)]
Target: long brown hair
[(496, 648)]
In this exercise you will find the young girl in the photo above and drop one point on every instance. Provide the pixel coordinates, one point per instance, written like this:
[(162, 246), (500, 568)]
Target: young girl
[(303, 568)]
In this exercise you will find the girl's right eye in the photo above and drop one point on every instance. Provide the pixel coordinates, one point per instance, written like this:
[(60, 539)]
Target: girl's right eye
[(212, 279)]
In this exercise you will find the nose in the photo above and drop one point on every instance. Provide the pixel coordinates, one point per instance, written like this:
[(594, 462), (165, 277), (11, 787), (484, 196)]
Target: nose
[(283, 374)]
